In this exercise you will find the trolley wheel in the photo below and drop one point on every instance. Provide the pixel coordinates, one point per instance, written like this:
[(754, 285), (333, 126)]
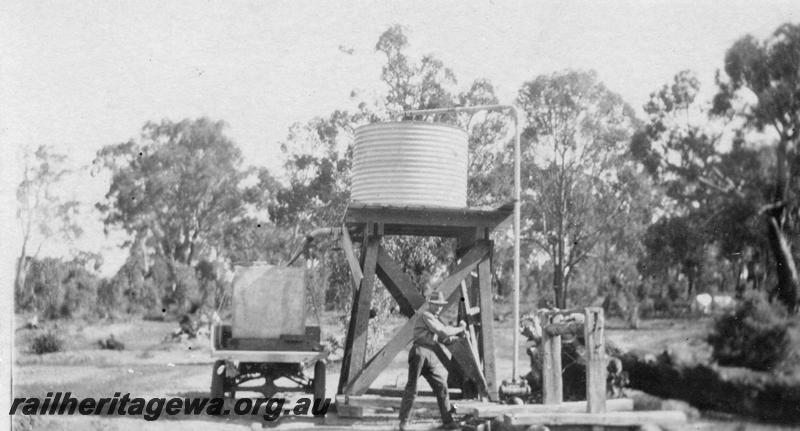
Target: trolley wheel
[(319, 380), (218, 379)]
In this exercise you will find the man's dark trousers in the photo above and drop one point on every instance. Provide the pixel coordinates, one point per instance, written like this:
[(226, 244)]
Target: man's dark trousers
[(422, 360)]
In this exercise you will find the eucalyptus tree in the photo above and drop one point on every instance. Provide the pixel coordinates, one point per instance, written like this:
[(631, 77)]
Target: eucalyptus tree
[(182, 195), (578, 183), (740, 156), (42, 212)]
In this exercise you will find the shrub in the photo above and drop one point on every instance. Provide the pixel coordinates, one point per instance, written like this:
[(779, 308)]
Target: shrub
[(48, 342), (80, 294), (58, 289), (754, 335)]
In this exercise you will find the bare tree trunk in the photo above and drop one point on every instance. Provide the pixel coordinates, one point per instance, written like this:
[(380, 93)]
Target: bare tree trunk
[(558, 285), (738, 289), (784, 264), (21, 273), (22, 268)]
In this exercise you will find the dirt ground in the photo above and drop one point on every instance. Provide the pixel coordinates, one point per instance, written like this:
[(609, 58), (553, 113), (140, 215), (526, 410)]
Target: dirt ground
[(151, 367)]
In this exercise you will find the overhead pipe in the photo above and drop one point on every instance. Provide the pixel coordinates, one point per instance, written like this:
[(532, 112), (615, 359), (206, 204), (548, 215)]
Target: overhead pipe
[(514, 112), (310, 237)]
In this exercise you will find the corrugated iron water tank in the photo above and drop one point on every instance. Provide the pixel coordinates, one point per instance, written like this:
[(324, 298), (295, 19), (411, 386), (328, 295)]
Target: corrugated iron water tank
[(410, 163)]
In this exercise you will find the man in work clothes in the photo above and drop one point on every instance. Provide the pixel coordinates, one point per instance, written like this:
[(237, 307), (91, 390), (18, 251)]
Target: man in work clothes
[(422, 360)]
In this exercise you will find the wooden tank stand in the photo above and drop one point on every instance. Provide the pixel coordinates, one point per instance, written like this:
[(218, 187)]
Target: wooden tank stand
[(468, 286)]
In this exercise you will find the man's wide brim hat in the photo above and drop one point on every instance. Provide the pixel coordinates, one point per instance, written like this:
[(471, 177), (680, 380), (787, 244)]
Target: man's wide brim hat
[(437, 298)]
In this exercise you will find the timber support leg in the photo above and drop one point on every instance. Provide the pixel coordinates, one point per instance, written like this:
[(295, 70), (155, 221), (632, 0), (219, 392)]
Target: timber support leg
[(487, 327), (355, 348)]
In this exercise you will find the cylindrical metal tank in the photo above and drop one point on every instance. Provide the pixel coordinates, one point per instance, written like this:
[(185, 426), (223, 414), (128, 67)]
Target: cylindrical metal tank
[(410, 163)]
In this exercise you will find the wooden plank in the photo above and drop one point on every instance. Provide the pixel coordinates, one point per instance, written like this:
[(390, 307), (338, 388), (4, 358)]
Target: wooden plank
[(346, 411), (377, 401), (617, 419), (363, 302), (487, 328), (568, 328), (552, 392), (357, 275), (344, 376), (564, 312), (398, 283), (383, 358), (350, 255), (479, 251), (397, 392), (467, 305), (596, 361), (360, 383), (468, 362), (490, 410)]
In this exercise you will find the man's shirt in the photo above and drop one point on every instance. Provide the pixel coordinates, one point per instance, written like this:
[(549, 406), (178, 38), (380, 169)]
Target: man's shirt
[(429, 330)]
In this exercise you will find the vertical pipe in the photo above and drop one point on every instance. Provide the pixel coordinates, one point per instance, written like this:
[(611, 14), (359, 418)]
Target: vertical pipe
[(517, 233)]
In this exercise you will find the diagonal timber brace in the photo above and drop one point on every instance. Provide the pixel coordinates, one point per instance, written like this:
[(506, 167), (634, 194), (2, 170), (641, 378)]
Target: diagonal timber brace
[(399, 284)]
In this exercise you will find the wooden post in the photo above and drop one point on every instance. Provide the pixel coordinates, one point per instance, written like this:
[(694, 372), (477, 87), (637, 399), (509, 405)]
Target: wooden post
[(552, 385), (355, 272), (595, 361), (355, 348), (487, 327), (363, 302)]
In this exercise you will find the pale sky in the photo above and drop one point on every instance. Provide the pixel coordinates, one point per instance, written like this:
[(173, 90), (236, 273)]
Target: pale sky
[(80, 75)]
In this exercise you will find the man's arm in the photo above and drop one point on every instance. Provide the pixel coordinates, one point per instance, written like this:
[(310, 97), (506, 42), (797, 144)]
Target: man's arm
[(441, 330)]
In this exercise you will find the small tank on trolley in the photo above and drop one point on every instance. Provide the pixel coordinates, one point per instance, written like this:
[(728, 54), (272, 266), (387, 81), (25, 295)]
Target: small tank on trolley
[(268, 337)]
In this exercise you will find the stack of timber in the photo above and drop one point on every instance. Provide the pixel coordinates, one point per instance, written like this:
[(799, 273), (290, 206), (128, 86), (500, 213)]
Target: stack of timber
[(359, 405), (618, 413)]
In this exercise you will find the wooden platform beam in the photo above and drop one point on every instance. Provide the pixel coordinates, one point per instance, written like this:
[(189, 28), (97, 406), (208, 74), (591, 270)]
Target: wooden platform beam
[(429, 221)]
